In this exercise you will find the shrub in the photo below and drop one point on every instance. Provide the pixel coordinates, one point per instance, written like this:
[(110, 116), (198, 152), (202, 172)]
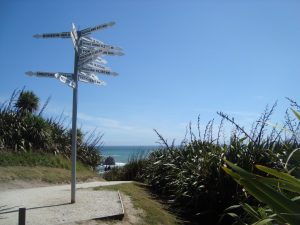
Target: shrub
[(22, 131), (115, 173), (190, 175), (279, 191), (133, 170)]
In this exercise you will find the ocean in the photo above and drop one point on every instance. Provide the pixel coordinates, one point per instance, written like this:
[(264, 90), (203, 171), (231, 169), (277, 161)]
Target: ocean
[(121, 154)]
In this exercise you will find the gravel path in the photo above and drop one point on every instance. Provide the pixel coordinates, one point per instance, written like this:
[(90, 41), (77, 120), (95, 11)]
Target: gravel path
[(51, 205)]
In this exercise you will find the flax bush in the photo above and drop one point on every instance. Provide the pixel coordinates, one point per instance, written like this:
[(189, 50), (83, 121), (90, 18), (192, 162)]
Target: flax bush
[(277, 191), (21, 130), (190, 176)]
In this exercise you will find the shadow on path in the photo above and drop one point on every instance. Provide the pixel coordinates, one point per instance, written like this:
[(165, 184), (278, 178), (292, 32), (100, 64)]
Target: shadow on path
[(38, 207)]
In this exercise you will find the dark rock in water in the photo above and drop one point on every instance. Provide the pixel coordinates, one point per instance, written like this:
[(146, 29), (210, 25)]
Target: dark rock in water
[(109, 161)]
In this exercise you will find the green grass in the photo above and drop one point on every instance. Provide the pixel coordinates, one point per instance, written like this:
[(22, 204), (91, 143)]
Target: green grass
[(40, 166), (155, 212), (37, 159), (45, 174)]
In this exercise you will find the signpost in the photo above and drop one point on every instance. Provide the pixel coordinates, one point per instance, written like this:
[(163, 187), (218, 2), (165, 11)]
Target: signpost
[(87, 61)]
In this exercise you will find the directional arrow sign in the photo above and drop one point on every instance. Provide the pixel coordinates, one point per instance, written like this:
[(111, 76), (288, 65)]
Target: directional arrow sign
[(100, 60), (68, 75), (74, 37), (110, 48), (91, 54), (94, 76), (94, 43), (65, 80), (91, 75), (48, 74), (91, 42), (74, 42), (90, 59), (89, 30), (40, 74), (107, 72), (74, 31), (88, 79), (53, 35), (97, 66), (99, 51), (86, 51)]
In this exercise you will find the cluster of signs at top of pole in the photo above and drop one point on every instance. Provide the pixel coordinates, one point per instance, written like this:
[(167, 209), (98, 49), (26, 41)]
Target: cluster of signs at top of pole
[(89, 53)]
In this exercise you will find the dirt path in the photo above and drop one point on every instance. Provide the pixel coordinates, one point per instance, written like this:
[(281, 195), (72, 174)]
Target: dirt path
[(133, 216), (51, 205)]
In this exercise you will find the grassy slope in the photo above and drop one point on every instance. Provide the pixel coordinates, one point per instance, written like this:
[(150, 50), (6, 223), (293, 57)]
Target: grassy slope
[(155, 212), (42, 167), (39, 173)]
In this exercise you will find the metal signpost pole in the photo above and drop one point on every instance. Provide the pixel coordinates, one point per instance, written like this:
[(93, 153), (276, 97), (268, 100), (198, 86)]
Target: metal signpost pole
[(74, 129)]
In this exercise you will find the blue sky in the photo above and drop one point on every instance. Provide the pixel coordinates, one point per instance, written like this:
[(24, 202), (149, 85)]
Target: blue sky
[(182, 59)]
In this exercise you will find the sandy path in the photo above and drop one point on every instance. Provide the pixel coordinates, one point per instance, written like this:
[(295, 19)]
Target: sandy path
[(51, 205)]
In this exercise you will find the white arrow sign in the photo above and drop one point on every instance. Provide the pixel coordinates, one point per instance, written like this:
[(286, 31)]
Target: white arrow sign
[(107, 72), (99, 51), (65, 80), (88, 79), (107, 48), (94, 43), (53, 35), (40, 74), (97, 66), (89, 74), (74, 31), (74, 42), (89, 59), (87, 53), (83, 32), (100, 60), (95, 53), (74, 37), (89, 30), (47, 74)]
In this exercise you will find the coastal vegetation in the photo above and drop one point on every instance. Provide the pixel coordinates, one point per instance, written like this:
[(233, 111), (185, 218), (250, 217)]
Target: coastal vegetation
[(133, 170), (277, 190), (251, 178), (27, 137), (191, 177)]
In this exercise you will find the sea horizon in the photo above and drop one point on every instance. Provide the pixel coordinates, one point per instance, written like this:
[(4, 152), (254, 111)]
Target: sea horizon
[(122, 153)]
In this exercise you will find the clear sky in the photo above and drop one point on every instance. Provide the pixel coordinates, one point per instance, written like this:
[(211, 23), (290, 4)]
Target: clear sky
[(182, 59)]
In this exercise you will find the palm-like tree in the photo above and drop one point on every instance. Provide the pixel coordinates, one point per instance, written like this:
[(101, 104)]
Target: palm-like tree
[(27, 102)]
